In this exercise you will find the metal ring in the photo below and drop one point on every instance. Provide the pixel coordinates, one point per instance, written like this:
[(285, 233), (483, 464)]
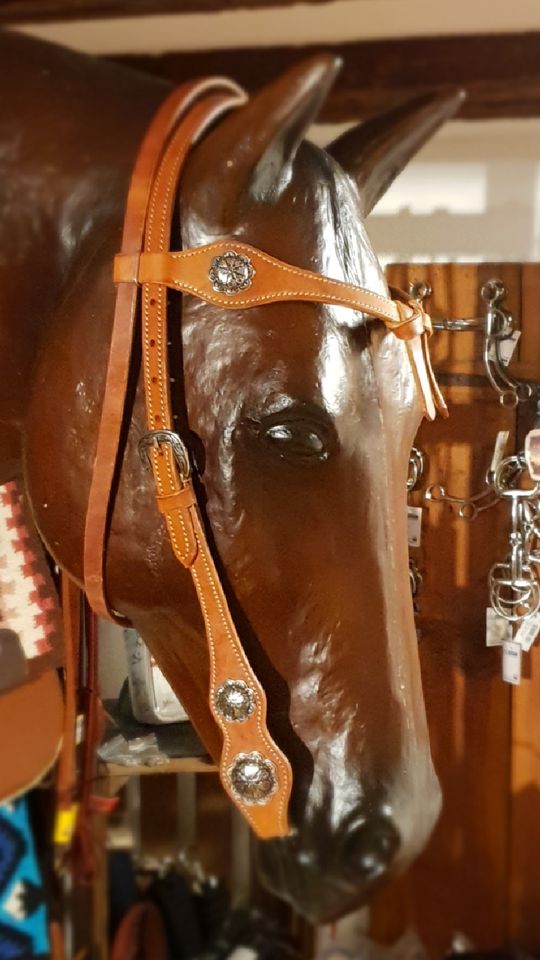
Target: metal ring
[(501, 323), (513, 493), (492, 291), (436, 493), (508, 399), (524, 595), (468, 511), (419, 290), (416, 468), (524, 390)]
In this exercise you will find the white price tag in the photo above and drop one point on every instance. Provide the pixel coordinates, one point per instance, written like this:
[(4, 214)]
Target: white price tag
[(499, 448), (511, 662), (528, 632), (532, 453), (506, 348), (414, 525), (497, 628)]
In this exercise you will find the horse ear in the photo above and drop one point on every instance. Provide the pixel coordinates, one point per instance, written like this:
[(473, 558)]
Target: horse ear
[(375, 151), (253, 148)]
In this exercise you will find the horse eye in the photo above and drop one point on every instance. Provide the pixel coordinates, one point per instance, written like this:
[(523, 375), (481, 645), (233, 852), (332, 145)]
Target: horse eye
[(297, 440)]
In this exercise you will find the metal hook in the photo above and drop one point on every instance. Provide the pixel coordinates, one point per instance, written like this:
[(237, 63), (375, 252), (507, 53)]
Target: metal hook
[(416, 468), (493, 291)]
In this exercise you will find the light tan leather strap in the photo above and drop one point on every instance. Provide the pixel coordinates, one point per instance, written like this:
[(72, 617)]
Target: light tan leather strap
[(116, 383), (254, 771), (234, 275)]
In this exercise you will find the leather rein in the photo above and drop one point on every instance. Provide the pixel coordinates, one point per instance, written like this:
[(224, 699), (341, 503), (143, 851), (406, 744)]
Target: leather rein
[(255, 772)]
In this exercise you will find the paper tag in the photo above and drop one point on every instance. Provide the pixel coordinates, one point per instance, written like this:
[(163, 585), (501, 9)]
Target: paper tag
[(499, 448), (532, 453), (414, 525), (528, 632), (506, 348), (511, 662), (498, 630)]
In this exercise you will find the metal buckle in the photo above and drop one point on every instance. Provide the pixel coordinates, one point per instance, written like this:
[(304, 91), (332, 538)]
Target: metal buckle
[(154, 438)]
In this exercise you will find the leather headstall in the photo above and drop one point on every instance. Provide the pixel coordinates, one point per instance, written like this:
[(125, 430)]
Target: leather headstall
[(233, 275)]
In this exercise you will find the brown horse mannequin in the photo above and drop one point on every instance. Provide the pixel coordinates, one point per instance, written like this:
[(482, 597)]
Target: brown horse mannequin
[(299, 417)]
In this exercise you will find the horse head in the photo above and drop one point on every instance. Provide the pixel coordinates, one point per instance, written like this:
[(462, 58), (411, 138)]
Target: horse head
[(306, 414), (300, 418)]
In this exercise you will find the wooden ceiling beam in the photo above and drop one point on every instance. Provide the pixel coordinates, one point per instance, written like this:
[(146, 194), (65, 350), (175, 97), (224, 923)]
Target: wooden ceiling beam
[(500, 72), (43, 11)]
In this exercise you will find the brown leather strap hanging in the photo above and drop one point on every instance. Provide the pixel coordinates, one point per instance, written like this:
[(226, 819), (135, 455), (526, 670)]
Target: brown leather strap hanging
[(82, 853), (119, 362), (66, 771)]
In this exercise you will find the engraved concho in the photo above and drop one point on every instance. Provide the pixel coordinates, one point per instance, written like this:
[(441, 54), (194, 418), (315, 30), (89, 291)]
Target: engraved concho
[(234, 701), (231, 272), (253, 778)]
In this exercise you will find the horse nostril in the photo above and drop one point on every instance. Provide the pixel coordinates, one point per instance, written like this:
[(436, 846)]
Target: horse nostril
[(369, 850)]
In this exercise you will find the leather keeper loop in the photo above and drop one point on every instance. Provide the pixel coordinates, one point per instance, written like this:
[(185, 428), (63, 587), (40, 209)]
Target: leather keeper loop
[(181, 499), (126, 268), (415, 327), (413, 321)]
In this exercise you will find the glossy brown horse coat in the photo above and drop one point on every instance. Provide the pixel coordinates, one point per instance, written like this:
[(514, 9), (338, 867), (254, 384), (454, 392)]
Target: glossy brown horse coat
[(300, 418)]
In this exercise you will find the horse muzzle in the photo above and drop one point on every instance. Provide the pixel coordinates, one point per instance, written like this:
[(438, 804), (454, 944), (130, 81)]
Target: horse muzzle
[(324, 875)]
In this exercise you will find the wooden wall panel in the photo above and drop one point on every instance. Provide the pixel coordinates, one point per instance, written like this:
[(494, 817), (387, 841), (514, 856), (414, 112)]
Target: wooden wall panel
[(524, 829), (456, 295), (479, 874)]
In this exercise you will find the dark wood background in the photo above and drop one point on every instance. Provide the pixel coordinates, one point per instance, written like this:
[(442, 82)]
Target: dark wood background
[(40, 11), (500, 73), (480, 874)]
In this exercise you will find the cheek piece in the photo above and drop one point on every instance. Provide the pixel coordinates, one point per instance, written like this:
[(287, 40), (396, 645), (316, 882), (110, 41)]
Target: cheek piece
[(233, 275)]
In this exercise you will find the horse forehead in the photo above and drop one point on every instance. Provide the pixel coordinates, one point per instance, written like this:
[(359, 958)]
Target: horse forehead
[(312, 219), (316, 223), (243, 352)]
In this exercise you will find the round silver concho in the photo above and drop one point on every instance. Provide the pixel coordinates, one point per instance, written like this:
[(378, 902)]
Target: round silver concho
[(234, 701), (231, 272), (253, 778)]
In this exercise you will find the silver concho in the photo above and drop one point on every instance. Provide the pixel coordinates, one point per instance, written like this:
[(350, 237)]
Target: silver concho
[(231, 272), (253, 778), (234, 701)]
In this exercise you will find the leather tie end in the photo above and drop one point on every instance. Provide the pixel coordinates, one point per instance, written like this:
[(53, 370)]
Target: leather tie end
[(413, 321)]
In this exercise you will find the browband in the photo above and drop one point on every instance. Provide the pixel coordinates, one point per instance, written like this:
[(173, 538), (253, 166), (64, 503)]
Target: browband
[(233, 275)]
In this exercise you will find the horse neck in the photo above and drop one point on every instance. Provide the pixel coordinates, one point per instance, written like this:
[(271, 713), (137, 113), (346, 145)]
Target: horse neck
[(69, 133)]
